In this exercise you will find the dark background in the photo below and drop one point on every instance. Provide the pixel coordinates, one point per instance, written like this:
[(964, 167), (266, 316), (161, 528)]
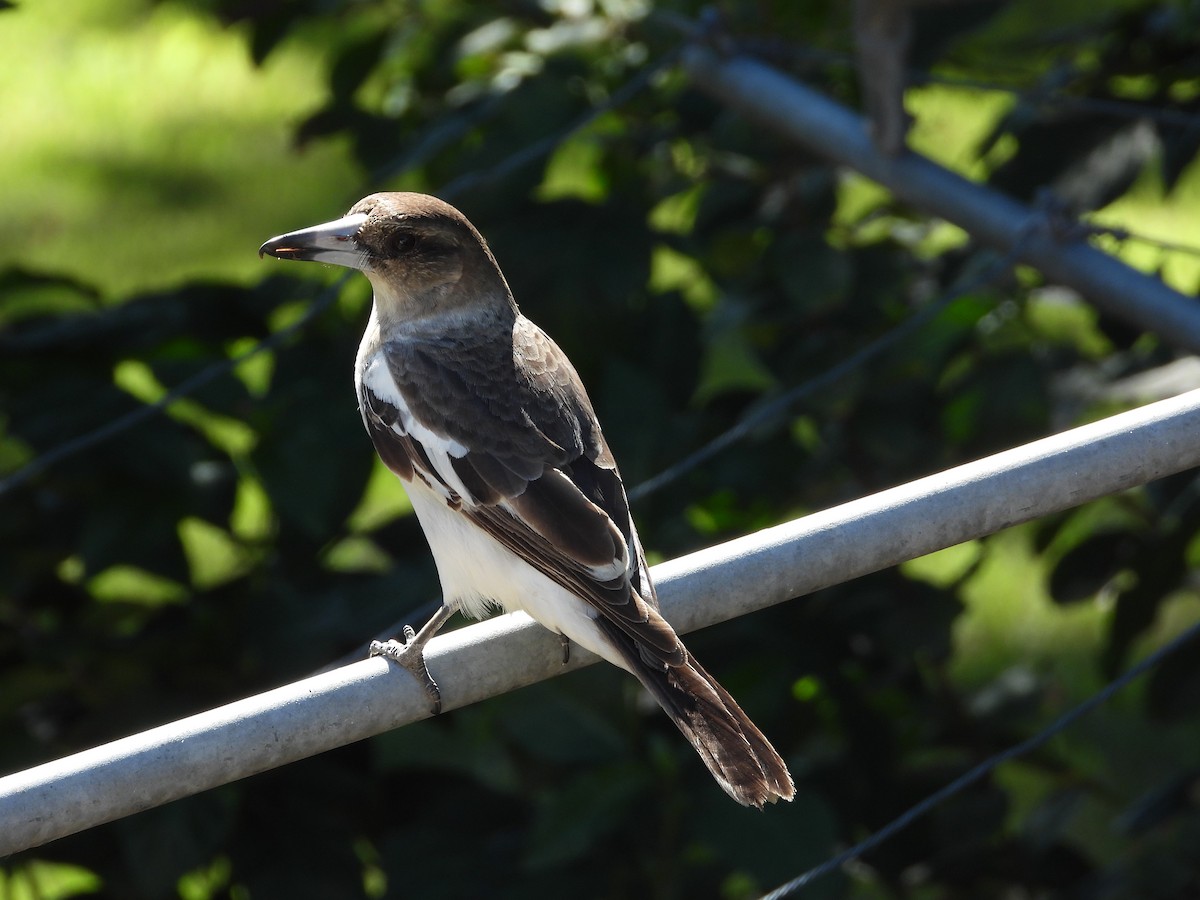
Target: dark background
[(694, 267)]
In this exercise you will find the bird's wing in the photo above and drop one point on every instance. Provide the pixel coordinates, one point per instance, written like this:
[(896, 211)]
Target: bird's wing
[(518, 450)]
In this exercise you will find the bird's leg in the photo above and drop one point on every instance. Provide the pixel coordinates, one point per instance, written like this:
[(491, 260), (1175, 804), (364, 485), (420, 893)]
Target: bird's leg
[(410, 653), (566, 647)]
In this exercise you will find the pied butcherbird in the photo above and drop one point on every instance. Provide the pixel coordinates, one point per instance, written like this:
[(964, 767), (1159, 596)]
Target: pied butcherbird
[(485, 421)]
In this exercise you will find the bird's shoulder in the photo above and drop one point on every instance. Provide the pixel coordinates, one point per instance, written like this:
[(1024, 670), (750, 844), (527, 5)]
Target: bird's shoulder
[(508, 391)]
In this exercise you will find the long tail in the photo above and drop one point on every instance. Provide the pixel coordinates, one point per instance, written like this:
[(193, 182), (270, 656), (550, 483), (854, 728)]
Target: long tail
[(740, 758)]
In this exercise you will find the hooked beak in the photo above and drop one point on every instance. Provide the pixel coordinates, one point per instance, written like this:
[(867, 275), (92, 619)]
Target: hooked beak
[(332, 242)]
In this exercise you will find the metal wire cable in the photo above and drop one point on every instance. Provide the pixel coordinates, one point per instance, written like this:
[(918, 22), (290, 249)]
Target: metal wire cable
[(784, 401), (209, 373), (984, 768), (764, 414)]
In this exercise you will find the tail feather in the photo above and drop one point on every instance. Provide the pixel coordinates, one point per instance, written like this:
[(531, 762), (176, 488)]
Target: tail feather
[(740, 758)]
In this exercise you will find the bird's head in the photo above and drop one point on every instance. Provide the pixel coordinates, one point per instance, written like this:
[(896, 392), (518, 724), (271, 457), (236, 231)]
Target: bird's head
[(423, 257)]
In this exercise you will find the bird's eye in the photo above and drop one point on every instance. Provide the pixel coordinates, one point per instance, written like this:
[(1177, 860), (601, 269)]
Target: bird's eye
[(402, 242)]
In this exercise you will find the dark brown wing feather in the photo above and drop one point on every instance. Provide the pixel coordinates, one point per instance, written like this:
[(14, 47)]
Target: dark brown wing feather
[(536, 448)]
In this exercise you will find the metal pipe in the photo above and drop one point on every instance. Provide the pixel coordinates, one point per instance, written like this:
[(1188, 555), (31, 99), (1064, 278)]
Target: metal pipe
[(502, 654), (809, 118)]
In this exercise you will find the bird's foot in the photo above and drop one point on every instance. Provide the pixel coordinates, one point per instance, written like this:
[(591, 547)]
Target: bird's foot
[(410, 653)]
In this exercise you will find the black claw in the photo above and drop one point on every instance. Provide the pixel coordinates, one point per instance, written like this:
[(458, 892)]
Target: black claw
[(566, 648)]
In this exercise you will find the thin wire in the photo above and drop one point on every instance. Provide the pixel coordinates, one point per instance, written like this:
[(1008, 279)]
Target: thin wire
[(131, 419), (855, 361), (1117, 233), (1123, 109), (987, 766)]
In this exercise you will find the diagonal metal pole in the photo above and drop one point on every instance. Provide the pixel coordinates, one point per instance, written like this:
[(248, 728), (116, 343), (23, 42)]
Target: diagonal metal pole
[(811, 119), (508, 652)]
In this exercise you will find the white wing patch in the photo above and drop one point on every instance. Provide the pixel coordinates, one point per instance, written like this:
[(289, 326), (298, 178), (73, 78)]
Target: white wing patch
[(379, 380), (440, 448)]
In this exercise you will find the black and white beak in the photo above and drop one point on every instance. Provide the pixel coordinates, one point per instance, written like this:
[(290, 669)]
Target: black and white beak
[(334, 242)]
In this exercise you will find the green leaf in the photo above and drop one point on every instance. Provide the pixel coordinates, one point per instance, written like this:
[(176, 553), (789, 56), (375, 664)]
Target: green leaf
[(731, 364)]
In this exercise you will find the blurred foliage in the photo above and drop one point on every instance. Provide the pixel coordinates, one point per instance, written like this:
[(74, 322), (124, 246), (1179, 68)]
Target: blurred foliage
[(694, 267)]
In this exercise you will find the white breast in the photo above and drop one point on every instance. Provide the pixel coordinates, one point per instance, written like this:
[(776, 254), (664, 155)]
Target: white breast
[(476, 573)]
